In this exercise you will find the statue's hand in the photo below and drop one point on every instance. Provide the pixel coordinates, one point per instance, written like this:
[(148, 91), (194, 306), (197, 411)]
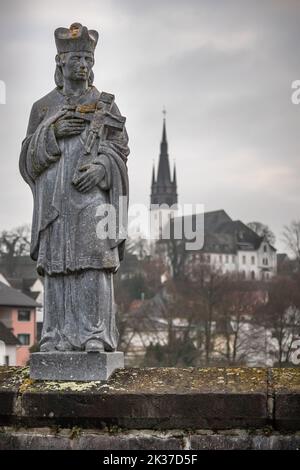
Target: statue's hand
[(92, 174), (68, 126)]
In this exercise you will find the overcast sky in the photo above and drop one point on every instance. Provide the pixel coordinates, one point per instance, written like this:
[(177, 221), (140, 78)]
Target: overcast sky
[(223, 70)]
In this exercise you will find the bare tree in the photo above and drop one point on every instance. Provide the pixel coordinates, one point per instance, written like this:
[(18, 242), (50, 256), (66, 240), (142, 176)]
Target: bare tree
[(13, 243), (281, 316), (263, 231), (207, 287), (244, 339), (291, 238), (173, 254), (138, 246)]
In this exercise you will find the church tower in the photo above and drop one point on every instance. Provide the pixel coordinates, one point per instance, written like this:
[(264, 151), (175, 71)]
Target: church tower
[(163, 198), (163, 188)]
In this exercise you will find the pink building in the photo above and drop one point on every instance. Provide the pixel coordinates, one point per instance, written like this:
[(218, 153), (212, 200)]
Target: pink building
[(18, 314)]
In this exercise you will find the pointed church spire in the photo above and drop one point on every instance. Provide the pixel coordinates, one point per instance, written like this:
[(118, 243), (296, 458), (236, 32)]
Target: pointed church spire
[(174, 175), (164, 135), (163, 189), (163, 174), (153, 174)]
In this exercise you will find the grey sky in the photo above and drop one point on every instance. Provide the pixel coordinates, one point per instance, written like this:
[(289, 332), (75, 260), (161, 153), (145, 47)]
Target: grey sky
[(223, 69)]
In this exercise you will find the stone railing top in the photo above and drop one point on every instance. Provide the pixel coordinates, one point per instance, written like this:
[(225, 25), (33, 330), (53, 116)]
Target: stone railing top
[(161, 398)]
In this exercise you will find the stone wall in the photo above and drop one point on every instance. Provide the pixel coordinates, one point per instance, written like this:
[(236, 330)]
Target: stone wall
[(153, 408)]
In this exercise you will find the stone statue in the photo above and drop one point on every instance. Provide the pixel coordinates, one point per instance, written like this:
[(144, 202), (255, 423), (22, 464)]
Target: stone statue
[(74, 160)]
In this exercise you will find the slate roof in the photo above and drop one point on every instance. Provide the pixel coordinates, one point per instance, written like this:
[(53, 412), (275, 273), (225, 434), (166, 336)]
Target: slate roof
[(24, 285), (21, 275), (10, 297), (150, 315), (7, 337), (23, 267), (222, 234)]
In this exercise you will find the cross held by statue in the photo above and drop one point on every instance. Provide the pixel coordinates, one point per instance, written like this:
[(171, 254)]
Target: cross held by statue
[(102, 121)]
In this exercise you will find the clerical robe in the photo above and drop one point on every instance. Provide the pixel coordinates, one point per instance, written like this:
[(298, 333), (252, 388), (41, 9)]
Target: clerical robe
[(77, 264)]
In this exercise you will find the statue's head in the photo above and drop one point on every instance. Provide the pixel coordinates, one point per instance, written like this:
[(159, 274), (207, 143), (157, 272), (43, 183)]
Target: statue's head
[(75, 54)]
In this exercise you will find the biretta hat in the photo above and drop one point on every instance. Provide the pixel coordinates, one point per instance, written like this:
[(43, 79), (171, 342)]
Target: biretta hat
[(75, 39)]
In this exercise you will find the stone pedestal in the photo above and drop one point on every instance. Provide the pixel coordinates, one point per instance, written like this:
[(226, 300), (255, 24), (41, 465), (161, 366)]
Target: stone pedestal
[(77, 366)]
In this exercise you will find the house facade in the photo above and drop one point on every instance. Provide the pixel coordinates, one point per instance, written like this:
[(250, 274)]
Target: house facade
[(21, 275), (18, 315), (230, 246)]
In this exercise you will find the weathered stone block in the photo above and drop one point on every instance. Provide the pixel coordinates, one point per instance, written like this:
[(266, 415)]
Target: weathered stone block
[(157, 398), (11, 379), (127, 441), (233, 441), (286, 390), (77, 366)]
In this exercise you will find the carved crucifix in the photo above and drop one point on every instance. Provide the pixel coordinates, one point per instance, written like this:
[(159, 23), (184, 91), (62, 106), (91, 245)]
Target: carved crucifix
[(101, 121)]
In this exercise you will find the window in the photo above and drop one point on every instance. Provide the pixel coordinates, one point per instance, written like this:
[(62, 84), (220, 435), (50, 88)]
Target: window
[(244, 259), (24, 315), (24, 339), (220, 258), (233, 259), (252, 259), (265, 248), (227, 259), (6, 359)]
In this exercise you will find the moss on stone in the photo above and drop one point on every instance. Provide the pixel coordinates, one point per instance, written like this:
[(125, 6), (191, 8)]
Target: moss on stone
[(160, 381), (74, 432), (286, 379), (12, 377), (151, 380), (25, 385)]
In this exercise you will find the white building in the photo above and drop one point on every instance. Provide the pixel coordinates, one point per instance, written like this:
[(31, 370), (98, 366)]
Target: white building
[(230, 246)]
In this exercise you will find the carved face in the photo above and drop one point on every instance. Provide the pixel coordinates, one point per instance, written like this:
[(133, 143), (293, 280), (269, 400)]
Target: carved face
[(76, 66)]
